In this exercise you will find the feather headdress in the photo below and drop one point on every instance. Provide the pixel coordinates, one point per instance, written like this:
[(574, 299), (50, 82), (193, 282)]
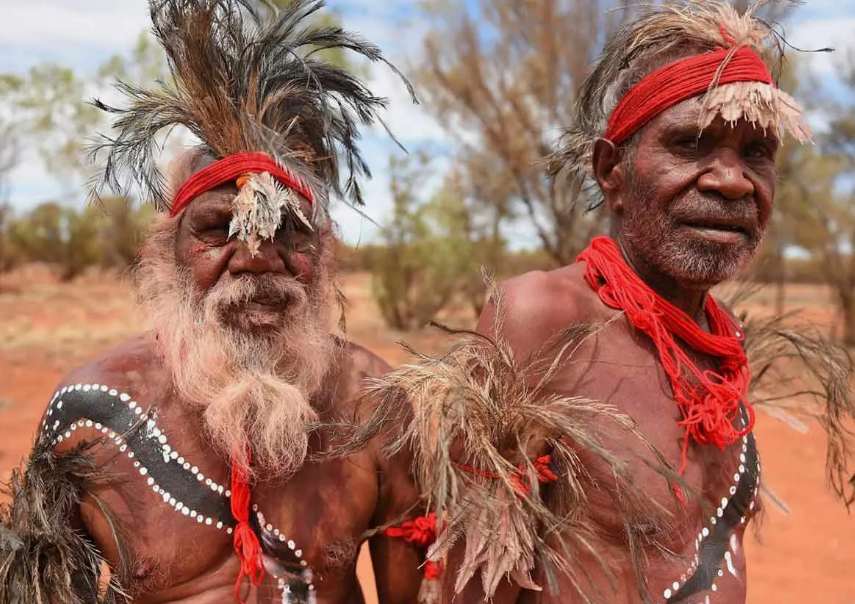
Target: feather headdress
[(661, 35), (248, 79)]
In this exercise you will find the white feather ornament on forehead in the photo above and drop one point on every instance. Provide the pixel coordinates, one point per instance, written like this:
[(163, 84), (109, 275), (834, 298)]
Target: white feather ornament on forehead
[(258, 208)]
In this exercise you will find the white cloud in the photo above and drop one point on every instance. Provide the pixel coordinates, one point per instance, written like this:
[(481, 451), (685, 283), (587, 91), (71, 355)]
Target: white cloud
[(107, 25), (837, 33)]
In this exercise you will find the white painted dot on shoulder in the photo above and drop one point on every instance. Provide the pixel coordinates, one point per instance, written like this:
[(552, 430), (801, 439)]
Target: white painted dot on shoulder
[(194, 470), (87, 387), (61, 392), (219, 525), (200, 477), (150, 481), (59, 405), (282, 538), (732, 491), (78, 386), (113, 392), (713, 520), (705, 532), (714, 587), (303, 563), (124, 397), (298, 553), (136, 464), (174, 454), (724, 502), (199, 518), (88, 423), (667, 593), (67, 434), (143, 471), (676, 586), (229, 530), (104, 388), (720, 573), (208, 521), (228, 493), (172, 501), (291, 544)]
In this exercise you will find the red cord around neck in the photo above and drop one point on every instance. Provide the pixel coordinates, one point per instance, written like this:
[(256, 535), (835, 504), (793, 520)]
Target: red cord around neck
[(708, 400)]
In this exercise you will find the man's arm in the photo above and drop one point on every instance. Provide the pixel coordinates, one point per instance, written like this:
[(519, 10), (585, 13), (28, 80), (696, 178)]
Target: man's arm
[(396, 560), (47, 553)]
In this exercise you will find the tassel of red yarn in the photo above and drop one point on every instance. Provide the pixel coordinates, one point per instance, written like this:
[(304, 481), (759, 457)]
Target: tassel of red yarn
[(246, 544), (421, 532), (709, 401)]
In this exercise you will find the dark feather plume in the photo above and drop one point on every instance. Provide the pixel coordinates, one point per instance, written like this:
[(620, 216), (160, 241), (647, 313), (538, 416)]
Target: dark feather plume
[(248, 79), (43, 558)]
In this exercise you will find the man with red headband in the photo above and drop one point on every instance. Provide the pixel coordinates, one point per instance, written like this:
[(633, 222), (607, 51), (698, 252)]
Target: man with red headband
[(592, 441), (192, 461)]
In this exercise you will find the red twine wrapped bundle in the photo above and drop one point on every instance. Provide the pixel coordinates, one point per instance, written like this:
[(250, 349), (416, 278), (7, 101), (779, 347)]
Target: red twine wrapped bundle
[(246, 544), (709, 401)]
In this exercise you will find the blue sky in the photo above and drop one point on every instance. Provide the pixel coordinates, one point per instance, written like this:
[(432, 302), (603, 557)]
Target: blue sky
[(83, 33)]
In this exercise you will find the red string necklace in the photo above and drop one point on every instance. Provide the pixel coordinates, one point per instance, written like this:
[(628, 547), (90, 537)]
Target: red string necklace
[(709, 401)]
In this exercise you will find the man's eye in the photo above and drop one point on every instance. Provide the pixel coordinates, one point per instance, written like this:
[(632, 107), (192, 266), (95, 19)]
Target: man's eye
[(758, 151), (688, 142)]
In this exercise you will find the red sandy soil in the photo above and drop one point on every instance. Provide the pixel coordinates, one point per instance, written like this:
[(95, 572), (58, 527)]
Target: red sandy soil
[(46, 328)]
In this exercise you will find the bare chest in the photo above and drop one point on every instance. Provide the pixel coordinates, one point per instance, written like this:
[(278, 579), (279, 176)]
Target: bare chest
[(695, 548), (171, 503)]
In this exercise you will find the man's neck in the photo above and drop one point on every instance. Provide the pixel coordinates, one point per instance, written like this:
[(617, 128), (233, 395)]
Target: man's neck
[(689, 300)]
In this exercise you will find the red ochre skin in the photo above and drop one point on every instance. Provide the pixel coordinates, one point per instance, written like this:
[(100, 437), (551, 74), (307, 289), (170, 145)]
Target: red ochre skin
[(324, 509), (676, 177)]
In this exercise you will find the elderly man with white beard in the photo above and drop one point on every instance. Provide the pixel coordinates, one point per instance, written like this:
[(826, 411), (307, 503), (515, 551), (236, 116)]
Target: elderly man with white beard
[(191, 461)]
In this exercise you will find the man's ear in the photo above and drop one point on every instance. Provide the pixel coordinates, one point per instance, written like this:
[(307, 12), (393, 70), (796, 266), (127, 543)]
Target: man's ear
[(609, 172)]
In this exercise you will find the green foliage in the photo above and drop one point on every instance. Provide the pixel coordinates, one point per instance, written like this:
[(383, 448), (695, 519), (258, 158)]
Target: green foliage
[(428, 258), (74, 240)]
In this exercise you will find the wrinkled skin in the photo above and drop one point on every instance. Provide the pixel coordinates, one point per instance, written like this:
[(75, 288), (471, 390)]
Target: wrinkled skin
[(325, 507), (657, 196)]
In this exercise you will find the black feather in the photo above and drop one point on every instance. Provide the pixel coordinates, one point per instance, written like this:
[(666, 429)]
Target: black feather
[(248, 80)]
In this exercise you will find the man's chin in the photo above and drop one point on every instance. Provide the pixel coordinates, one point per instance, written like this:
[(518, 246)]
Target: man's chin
[(256, 319)]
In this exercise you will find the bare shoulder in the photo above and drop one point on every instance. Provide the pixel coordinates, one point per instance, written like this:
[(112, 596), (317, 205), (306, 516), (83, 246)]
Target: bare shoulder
[(356, 367), (531, 308), (131, 366), (362, 363)]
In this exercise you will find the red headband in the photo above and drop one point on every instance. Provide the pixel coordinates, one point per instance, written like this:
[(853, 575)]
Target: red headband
[(679, 81), (231, 168)]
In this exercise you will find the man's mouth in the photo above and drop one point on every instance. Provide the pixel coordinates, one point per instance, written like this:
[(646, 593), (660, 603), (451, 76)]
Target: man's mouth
[(720, 231)]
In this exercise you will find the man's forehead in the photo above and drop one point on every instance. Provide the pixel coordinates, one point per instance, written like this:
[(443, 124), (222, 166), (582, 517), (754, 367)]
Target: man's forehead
[(687, 115)]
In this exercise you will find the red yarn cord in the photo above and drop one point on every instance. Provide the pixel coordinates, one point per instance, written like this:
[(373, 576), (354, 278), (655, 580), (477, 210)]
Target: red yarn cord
[(519, 478), (230, 169), (421, 532), (246, 544), (679, 81), (709, 401)]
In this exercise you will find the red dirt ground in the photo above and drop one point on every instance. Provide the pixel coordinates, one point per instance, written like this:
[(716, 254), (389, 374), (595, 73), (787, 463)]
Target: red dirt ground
[(48, 328)]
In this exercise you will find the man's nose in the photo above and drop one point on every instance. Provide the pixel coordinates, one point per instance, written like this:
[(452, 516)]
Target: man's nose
[(726, 176), (265, 260)]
